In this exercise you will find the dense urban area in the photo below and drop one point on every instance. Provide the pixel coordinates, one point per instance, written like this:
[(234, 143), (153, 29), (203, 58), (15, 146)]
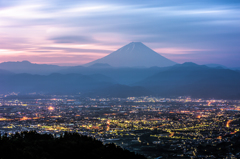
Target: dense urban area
[(156, 127)]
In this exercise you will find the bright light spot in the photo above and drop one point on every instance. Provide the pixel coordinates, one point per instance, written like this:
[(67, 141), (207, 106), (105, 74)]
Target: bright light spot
[(219, 137), (209, 103), (171, 134), (50, 108), (108, 128), (199, 116), (228, 123), (3, 119), (25, 118)]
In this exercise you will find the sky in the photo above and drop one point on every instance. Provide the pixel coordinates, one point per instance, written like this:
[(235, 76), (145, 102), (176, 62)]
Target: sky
[(75, 32)]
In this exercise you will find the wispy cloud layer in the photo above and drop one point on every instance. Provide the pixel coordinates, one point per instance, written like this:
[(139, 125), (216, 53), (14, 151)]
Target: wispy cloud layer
[(182, 31)]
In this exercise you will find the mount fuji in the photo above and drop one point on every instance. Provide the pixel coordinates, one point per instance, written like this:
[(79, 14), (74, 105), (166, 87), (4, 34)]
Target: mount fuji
[(134, 54)]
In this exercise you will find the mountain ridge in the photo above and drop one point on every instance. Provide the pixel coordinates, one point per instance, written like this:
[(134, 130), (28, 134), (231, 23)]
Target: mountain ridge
[(194, 80), (28, 67), (187, 79)]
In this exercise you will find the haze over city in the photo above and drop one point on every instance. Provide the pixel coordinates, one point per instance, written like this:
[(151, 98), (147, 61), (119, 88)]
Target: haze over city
[(77, 32)]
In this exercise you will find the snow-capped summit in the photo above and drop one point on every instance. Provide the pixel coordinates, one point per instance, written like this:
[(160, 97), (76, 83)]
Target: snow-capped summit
[(134, 54)]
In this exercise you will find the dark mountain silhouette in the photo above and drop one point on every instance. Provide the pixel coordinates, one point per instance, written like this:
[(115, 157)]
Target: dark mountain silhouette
[(194, 80), (28, 67), (135, 54), (216, 66)]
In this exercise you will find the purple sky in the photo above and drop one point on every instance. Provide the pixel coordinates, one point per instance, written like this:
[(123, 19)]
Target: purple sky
[(76, 32)]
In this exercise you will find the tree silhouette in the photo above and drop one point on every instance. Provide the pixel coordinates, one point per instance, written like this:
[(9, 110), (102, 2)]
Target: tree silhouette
[(32, 145)]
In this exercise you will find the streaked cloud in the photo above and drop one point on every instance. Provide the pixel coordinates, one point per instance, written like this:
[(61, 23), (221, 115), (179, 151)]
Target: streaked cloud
[(177, 29), (73, 39)]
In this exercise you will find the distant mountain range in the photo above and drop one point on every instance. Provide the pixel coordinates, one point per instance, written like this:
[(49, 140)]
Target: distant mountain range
[(194, 80), (182, 79), (120, 75), (215, 66), (28, 67)]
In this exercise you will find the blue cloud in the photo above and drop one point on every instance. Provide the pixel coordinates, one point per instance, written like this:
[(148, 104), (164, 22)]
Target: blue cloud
[(204, 24), (73, 39)]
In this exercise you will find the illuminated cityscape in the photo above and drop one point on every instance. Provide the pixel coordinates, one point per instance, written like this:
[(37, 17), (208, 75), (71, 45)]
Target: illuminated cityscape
[(119, 79), (179, 127)]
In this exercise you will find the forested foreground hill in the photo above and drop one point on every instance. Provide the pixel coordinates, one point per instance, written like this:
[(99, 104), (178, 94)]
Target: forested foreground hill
[(31, 145)]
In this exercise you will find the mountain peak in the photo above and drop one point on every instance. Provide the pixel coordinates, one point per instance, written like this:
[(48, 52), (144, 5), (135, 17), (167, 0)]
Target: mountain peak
[(135, 42), (134, 54)]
